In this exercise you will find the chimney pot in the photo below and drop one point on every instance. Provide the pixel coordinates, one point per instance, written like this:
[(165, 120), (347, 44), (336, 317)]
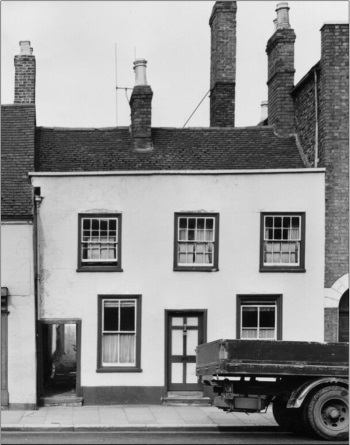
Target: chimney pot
[(282, 15), (140, 72), (264, 110), (25, 48)]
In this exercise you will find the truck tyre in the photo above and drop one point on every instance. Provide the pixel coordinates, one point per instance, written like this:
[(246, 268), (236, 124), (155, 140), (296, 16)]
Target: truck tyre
[(326, 413), (288, 419)]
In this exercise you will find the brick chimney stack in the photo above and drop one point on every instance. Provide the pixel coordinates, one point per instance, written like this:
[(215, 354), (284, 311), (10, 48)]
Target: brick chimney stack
[(280, 52), (223, 64), (141, 108), (25, 75)]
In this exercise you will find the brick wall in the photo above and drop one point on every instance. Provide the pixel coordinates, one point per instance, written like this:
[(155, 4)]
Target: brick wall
[(223, 64), (141, 117), (305, 115), (334, 145), (280, 51), (331, 322), (24, 79)]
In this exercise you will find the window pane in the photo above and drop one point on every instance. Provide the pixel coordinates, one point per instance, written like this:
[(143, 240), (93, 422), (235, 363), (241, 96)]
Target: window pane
[(127, 316), (200, 223), (268, 221), (182, 258), (277, 234), (111, 318), (278, 221), (192, 341), (267, 334), (249, 317), (110, 348), (177, 321), (86, 224), (177, 342), (182, 234), (209, 223), (95, 224), (191, 373), (176, 373), (249, 333), (127, 348), (191, 223), (267, 317), (191, 235), (183, 223)]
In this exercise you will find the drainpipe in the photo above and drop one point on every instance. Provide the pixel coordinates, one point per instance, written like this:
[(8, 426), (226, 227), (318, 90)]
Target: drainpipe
[(37, 202), (316, 119)]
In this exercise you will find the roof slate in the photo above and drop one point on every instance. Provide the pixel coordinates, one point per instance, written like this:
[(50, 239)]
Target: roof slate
[(69, 150), (17, 159)]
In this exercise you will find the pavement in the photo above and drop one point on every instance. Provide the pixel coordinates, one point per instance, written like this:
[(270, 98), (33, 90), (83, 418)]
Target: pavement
[(133, 418)]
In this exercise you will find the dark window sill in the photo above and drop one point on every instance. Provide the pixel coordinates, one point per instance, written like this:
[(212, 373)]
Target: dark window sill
[(99, 269), (282, 269), (121, 369), (195, 269)]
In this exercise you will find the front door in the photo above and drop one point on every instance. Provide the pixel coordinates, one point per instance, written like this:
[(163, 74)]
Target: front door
[(185, 330)]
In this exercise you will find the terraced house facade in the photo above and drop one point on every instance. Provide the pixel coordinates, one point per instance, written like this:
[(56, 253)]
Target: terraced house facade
[(149, 241)]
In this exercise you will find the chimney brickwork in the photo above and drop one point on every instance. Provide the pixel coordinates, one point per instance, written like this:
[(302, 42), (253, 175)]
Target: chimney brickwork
[(280, 51), (223, 64), (25, 73), (141, 109), (334, 145)]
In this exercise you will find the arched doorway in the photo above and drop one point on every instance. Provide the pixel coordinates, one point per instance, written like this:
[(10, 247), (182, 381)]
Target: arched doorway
[(344, 317)]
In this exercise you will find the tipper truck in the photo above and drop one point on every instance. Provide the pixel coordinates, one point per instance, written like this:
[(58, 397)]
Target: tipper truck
[(306, 382)]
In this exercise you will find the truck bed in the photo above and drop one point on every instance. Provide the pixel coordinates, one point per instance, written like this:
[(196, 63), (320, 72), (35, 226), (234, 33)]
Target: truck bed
[(272, 358)]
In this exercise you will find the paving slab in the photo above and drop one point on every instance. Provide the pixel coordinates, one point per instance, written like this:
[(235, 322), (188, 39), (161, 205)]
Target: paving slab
[(131, 417)]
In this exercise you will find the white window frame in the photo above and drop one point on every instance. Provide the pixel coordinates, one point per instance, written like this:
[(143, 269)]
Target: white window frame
[(119, 332), (289, 241), (195, 241), (84, 243)]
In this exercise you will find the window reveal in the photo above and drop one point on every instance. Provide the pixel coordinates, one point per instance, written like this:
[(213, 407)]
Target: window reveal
[(282, 237), (119, 332), (196, 238)]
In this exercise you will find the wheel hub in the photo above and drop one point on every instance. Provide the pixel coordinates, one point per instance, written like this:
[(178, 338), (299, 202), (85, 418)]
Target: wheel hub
[(332, 413)]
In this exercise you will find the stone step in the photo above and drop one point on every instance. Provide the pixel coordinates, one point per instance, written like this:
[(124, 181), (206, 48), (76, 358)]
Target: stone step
[(184, 394), (186, 398), (186, 401), (61, 401)]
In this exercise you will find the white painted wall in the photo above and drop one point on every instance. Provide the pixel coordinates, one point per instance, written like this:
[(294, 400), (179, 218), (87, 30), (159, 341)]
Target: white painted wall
[(17, 275), (148, 204)]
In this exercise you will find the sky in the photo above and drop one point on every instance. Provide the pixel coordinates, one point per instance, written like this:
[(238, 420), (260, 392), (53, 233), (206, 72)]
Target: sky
[(84, 49)]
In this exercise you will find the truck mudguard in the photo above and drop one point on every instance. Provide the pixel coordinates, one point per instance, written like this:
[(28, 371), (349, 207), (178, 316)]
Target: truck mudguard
[(298, 395)]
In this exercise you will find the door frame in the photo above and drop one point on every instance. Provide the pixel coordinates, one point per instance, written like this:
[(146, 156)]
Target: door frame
[(77, 323), (167, 314)]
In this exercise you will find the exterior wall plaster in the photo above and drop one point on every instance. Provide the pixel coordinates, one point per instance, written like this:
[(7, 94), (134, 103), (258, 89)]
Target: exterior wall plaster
[(17, 276), (148, 204)]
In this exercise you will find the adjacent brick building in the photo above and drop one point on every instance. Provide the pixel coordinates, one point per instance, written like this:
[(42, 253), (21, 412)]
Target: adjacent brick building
[(321, 101)]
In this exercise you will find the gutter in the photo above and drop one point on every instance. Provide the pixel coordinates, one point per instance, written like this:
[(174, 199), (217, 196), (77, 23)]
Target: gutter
[(178, 172)]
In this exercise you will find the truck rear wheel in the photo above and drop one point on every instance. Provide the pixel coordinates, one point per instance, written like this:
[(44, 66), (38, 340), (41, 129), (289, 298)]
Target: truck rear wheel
[(288, 419), (326, 413)]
